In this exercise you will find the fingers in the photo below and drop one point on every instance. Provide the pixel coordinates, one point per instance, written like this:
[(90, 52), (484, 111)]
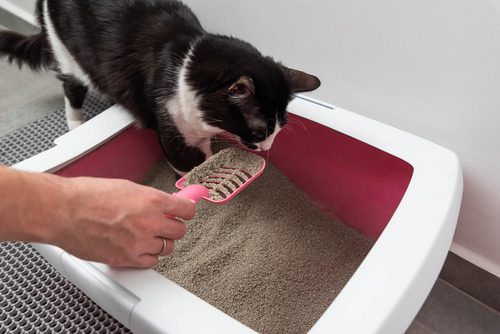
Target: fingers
[(166, 247), (160, 247), (146, 260), (131, 215), (171, 206), (170, 228), (177, 207)]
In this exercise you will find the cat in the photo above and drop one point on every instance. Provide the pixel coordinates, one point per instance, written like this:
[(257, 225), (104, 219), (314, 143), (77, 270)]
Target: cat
[(154, 58)]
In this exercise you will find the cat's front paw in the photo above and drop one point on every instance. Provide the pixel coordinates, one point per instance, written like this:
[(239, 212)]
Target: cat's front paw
[(74, 117), (72, 124)]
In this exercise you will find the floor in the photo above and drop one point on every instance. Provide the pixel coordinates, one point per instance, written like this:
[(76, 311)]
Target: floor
[(25, 97), (450, 310)]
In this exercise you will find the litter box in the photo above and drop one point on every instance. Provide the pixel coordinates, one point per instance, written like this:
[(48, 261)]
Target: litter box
[(395, 188)]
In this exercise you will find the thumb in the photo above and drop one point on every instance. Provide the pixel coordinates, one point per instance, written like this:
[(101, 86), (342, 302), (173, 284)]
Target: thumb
[(178, 206)]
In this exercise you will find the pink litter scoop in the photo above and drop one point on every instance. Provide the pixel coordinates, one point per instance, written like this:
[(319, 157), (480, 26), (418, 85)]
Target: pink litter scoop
[(222, 176)]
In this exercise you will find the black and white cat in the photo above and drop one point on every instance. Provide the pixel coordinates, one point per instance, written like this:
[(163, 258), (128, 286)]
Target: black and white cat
[(154, 58)]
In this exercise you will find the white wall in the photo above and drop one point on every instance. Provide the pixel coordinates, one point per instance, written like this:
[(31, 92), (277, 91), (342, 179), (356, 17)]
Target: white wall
[(22, 8), (28, 5), (430, 67)]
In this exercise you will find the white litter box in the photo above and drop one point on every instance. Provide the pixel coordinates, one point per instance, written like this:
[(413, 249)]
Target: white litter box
[(396, 188)]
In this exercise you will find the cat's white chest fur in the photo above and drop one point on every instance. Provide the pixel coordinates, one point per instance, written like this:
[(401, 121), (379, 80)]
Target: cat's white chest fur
[(184, 109), (66, 62)]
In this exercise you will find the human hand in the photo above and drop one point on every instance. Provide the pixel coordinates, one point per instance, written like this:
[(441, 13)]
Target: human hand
[(117, 222)]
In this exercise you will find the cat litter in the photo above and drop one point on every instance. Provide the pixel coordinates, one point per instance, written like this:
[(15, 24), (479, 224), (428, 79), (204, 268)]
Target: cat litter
[(265, 256)]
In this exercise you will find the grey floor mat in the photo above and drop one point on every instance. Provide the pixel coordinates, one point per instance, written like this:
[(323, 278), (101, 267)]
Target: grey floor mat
[(34, 297), (39, 136), (26, 96)]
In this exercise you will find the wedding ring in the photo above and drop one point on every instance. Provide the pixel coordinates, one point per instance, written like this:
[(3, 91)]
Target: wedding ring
[(163, 246)]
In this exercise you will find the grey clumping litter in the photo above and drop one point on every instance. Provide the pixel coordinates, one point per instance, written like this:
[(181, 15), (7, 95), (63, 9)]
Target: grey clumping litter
[(225, 172), (268, 258)]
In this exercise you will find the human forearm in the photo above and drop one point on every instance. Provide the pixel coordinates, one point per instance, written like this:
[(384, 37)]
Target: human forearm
[(30, 203)]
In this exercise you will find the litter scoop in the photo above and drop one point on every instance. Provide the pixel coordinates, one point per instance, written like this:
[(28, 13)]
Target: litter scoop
[(222, 176)]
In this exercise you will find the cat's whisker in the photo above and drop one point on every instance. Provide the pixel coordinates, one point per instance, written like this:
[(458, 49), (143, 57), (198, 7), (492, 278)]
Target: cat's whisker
[(231, 141), (300, 124), (268, 155), (180, 136), (212, 120), (297, 122), (290, 129), (217, 141)]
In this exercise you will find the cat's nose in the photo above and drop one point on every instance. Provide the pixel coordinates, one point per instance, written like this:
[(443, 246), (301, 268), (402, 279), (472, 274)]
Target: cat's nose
[(254, 147)]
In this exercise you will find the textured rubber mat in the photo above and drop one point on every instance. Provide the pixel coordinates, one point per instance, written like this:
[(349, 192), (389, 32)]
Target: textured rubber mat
[(39, 136), (34, 297)]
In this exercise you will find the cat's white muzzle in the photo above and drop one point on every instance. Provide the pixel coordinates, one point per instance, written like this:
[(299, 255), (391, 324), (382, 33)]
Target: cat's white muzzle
[(268, 142), (264, 145)]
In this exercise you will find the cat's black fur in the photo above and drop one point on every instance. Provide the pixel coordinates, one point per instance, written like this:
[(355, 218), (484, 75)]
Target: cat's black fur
[(133, 51)]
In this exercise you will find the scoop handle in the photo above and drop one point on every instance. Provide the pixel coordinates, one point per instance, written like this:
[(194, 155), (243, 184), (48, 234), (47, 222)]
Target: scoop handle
[(194, 193)]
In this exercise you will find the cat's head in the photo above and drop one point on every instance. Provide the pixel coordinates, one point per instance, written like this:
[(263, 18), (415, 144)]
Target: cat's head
[(242, 92)]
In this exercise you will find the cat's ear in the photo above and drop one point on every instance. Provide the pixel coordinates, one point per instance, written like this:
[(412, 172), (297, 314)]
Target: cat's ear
[(299, 81), (242, 88)]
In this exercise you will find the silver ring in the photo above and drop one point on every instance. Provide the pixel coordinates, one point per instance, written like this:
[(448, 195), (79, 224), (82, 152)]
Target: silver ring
[(163, 246)]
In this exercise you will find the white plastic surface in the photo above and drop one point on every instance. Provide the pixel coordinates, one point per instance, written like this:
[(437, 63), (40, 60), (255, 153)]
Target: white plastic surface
[(20, 9), (383, 295), (81, 140)]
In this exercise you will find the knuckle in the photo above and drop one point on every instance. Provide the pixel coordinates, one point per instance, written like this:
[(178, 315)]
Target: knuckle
[(171, 204), (155, 199), (178, 206), (175, 230)]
